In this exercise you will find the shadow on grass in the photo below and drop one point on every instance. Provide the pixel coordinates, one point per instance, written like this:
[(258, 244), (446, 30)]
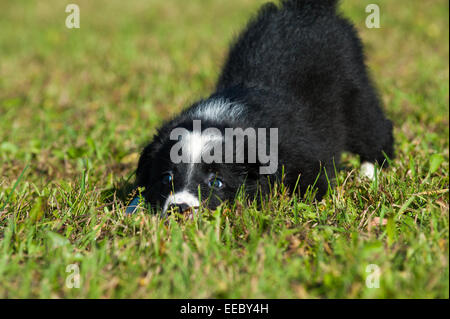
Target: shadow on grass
[(123, 190)]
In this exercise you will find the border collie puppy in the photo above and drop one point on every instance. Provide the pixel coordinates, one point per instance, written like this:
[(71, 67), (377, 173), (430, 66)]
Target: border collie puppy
[(293, 94)]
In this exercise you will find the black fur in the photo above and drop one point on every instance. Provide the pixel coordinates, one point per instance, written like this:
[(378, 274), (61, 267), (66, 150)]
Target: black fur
[(298, 67)]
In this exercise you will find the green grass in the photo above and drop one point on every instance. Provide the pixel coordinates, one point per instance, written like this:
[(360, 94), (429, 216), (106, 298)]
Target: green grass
[(77, 106)]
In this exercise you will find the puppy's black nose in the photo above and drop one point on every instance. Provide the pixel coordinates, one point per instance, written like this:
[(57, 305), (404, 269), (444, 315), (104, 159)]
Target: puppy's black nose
[(181, 208)]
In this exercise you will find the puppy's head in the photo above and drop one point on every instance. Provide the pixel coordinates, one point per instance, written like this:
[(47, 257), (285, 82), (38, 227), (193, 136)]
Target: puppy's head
[(184, 168)]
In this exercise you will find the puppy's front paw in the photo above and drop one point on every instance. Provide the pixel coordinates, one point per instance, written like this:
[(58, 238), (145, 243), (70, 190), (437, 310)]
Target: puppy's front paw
[(133, 206)]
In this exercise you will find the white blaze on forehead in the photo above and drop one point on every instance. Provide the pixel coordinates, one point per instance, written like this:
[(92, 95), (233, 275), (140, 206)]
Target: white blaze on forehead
[(218, 109), (183, 197), (196, 143)]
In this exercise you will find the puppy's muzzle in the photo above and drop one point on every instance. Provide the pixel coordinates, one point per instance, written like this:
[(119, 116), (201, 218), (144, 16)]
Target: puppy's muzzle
[(180, 208)]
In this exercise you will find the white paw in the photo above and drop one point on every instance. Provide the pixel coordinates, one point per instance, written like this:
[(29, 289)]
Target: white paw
[(368, 170)]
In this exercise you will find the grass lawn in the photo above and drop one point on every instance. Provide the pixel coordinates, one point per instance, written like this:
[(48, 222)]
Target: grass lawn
[(78, 105)]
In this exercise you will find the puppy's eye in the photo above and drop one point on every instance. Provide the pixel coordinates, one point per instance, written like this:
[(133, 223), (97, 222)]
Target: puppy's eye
[(167, 178), (215, 182)]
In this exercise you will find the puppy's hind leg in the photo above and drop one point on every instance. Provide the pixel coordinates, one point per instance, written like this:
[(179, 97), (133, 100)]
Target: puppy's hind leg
[(369, 132)]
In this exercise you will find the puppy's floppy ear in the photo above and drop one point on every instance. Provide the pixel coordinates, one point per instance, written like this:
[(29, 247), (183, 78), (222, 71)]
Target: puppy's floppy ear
[(149, 155), (144, 168)]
